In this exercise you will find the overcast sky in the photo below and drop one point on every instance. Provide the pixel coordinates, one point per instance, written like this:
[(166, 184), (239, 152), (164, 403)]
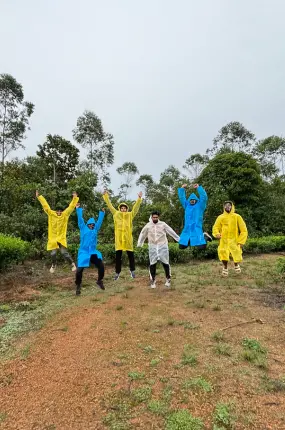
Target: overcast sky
[(163, 75)]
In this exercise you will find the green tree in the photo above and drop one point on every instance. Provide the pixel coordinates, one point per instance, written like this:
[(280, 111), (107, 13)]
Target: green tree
[(128, 171), (271, 152), (232, 137), (89, 133), (61, 158), (14, 116), (145, 182), (195, 164)]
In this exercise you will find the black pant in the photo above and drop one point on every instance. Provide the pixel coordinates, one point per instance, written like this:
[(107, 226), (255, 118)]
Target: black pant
[(131, 257), (93, 260), (152, 270), (189, 244)]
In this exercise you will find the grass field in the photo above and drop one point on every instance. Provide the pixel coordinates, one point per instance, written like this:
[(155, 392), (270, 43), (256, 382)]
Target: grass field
[(206, 354)]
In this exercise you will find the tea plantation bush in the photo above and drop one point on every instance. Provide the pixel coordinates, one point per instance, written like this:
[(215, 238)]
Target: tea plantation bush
[(12, 250)]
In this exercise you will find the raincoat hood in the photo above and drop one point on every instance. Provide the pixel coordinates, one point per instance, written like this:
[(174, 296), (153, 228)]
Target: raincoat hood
[(91, 221), (233, 207), (123, 204), (193, 197)]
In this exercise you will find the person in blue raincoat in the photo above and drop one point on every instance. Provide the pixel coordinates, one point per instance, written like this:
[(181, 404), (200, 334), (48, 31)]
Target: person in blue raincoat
[(88, 252), (194, 208)]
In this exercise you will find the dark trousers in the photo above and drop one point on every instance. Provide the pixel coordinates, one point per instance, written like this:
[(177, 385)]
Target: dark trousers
[(189, 244), (97, 263), (152, 270), (131, 257), (64, 253)]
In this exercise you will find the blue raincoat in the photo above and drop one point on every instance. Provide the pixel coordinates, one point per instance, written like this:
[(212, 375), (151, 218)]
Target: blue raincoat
[(88, 238), (193, 217)]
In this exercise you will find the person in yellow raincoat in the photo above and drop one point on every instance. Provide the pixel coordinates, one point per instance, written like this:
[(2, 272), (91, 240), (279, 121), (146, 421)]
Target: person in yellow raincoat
[(231, 229), (123, 221), (57, 227)]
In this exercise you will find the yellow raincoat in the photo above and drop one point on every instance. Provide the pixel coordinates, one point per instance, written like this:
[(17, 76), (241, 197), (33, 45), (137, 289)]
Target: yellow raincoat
[(233, 232), (123, 222), (57, 225)]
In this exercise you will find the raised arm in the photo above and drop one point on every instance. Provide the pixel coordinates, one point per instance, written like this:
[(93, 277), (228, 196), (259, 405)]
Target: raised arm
[(143, 236), (137, 205), (171, 232), (217, 228), (79, 213), (242, 231), (108, 203), (100, 219), (44, 203), (203, 196), (72, 204), (182, 195)]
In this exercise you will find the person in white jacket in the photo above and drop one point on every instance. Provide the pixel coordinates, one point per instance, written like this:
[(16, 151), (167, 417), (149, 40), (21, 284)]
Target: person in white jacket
[(156, 230)]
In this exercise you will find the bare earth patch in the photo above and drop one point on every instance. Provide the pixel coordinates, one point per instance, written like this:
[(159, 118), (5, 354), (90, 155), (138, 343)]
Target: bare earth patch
[(130, 357)]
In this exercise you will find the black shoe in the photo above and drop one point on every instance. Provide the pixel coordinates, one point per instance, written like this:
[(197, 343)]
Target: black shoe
[(100, 285), (78, 290)]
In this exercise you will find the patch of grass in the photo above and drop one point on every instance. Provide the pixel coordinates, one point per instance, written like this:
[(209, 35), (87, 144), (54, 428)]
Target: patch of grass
[(171, 322), (25, 353), (218, 336), (197, 384), (65, 329), (156, 330), (254, 353), (3, 416), (183, 420), (224, 418), (191, 326), (154, 362), (253, 345), (148, 349), (189, 356), (119, 308), (141, 394), (223, 349), (216, 307), (157, 407), (199, 305), (134, 376), (5, 308), (115, 422), (273, 385), (167, 393)]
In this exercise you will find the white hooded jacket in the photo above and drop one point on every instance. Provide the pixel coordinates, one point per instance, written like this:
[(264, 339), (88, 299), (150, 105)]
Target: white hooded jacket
[(157, 240)]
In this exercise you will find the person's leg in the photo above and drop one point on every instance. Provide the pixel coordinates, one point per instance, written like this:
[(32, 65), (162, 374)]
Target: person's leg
[(53, 261), (67, 256), (118, 266), (101, 270), (236, 253), (152, 274), (167, 274), (131, 256), (78, 279), (224, 256)]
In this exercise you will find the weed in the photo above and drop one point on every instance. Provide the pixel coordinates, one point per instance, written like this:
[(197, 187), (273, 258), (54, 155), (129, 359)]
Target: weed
[(119, 308), (142, 394), (218, 336), (224, 418), (156, 330), (171, 322), (223, 349), (25, 352), (199, 305), (273, 385), (167, 393), (191, 326), (5, 308), (114, 422), (65, 328), (154, 362), (157, 407), (197, 383), (189, 356), (3, 416), (183, 420), (253, 345), (254, 353), (216, 307), (136, 375), (148, 349)]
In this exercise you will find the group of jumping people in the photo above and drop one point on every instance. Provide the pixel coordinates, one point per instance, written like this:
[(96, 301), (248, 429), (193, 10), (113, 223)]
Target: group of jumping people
[(229, 228)]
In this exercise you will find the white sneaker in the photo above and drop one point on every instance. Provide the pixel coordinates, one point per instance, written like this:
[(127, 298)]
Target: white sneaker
[(73, 267), (168, 283), (153, 284), (52, 269)]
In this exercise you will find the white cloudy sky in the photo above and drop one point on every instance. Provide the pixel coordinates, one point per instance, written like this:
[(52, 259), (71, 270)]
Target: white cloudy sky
[(163, 75)]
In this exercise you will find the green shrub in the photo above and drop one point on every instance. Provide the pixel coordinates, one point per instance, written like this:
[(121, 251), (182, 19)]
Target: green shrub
[(12, 250), (183, 420)]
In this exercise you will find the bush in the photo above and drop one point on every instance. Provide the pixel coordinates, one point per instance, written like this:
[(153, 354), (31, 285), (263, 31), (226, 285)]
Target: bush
[(12, 250)]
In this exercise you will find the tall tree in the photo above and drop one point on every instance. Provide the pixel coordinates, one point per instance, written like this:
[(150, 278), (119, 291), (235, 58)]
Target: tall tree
[(89, 133), (14, 116), (272, 151), (145, 182), (232, 137), (195, 164), (61, 158), (128, 171)]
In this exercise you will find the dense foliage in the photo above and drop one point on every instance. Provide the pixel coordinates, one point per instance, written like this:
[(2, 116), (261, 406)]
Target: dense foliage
[(12, 250)]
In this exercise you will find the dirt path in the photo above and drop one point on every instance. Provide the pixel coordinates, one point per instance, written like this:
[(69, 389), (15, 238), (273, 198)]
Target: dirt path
[(77, 369)]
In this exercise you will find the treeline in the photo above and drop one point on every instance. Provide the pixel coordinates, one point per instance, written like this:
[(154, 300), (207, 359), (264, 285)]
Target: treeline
[(236, 167)]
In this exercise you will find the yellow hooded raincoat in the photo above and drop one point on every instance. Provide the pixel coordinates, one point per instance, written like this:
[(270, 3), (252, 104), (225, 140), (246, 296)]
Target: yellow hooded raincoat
[(233, 232), (57, 225), (123, 222)]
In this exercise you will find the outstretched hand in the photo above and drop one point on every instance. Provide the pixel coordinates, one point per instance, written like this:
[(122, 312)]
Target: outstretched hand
[(140, 194), (195, 185), (184, 186)]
